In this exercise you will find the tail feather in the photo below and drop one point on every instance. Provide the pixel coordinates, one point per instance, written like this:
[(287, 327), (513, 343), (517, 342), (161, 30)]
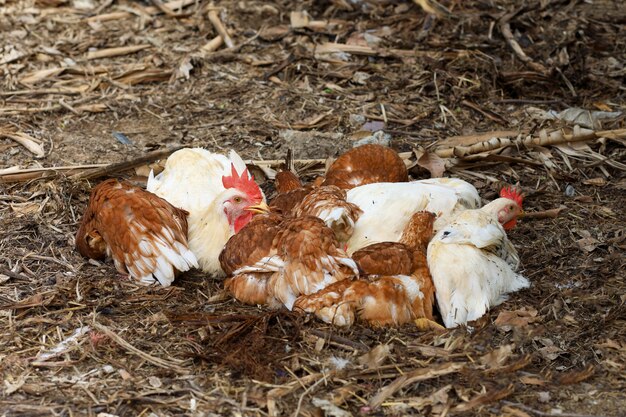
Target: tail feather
[(152, 183), (238, 162)]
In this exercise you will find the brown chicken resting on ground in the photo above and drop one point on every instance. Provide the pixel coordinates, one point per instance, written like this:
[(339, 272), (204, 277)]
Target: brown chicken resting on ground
[(274, 260), (366, 164), (145, 235), (326, 202), (395, 288)]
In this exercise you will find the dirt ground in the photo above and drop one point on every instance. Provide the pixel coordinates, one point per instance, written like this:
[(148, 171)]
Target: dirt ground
[(424, 74)]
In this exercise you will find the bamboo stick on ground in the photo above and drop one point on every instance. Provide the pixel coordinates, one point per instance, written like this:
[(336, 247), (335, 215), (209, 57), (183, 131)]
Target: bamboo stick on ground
[(219, 27), (544, 139)]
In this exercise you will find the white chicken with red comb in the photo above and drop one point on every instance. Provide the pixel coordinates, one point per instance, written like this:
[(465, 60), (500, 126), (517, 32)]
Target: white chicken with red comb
[(219, 193), (472, 262)]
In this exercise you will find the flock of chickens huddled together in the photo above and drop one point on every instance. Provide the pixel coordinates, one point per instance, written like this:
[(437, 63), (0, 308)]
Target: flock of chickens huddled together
[(361, 243)]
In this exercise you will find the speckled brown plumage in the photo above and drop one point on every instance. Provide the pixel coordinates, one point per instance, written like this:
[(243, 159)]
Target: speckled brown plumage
[(330, 204), (365, 165), (396, 286), (145, 235), (249, 246), (303, 257)]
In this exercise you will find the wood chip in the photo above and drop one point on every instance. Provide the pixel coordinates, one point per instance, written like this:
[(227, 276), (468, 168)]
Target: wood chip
[(110, 52)]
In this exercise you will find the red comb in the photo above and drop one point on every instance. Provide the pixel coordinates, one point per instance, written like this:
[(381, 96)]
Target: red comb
[(244, 182), (512, 194)]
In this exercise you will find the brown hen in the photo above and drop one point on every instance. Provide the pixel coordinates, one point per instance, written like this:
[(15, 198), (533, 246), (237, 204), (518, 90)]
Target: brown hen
[(304, 257), (252, 244), (145, 235), (329, 204), (395, 289), (366, 164), (326, 202)]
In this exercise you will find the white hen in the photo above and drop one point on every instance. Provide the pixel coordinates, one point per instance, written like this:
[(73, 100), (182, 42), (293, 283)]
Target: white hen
[(192, 177), (473, 263), (387, 207), (218, 192)]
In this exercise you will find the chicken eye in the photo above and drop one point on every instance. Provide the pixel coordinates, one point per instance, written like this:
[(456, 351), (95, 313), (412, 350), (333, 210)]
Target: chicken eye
[(237, 200)]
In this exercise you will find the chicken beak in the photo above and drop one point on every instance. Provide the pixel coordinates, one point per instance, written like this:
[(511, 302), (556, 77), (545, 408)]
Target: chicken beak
[(521, 214), (261, 208)]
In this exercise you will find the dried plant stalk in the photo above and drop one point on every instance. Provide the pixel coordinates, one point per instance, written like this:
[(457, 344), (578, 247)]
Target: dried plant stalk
[(219, 27), (544, 139)]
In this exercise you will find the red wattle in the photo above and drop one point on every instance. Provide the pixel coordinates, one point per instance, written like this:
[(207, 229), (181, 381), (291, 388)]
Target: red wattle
[(241, 221), (510, 224)]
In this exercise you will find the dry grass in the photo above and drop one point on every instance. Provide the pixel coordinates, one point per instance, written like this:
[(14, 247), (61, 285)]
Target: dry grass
[(79, 340)]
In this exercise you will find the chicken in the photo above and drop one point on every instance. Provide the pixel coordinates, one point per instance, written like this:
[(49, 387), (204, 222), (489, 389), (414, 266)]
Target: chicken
[(192, 177), (472, 261), (145, 235), (248, 247), (329, 204), (396, 287), (286, 181), (366, 164), (303, 258), (219, 193), (387, 207), (325, 202)]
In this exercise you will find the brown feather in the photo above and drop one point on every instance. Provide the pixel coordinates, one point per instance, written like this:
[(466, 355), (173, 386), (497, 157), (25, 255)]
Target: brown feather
[(285, 202), (251, 244), (286, 181), (119, 217), (366, 164), (320, 202), (386, 294), (306, 252)]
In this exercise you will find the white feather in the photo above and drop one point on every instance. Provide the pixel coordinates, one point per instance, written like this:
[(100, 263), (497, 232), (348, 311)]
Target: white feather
[(237, 162), (411, 286), (387, 207), (267, 264), (468, 264)]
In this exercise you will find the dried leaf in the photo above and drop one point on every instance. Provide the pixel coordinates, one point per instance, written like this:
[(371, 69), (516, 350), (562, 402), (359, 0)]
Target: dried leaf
[(145, 76), (486, 398), (433, 163), (515, 412), (34, 77), (518, 318), (26, 141), (375, 357), (12, 55), (34, 300), (299, 19), (184, 68), (24, 209), (550, 352), (574, 377), (155, 382), (468, 140), (588, 244), (497, 357)]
